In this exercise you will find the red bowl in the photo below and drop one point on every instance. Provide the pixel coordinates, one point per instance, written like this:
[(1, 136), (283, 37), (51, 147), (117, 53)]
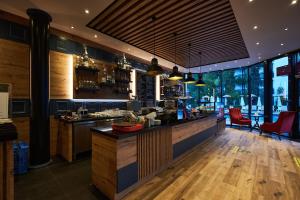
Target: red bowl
[(127, 129)]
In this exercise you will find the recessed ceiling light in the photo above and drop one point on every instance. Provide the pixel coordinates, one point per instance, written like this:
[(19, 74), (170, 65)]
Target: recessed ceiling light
[(281, 44), (279, 54), (250, 0), (294, 2), (257, 43), (255, 27), (286, 29), (86, 11), (72, 27), (95, 36), (259, 57)]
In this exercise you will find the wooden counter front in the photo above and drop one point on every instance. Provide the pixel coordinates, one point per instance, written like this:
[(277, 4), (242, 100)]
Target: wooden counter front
[(7, 135), (6, 171), (121, 162)]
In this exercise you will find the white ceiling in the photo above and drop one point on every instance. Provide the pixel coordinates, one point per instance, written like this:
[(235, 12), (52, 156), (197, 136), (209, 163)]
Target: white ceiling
[(271, 17)]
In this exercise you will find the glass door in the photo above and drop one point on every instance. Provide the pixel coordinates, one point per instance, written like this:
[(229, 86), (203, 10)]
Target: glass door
[(280, 86)]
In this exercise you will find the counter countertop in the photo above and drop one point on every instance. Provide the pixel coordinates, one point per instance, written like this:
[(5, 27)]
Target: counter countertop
[(8, 131), (85, 119), (107, 130)]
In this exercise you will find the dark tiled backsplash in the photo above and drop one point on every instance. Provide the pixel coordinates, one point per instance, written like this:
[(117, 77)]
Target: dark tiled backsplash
[(21, 107)]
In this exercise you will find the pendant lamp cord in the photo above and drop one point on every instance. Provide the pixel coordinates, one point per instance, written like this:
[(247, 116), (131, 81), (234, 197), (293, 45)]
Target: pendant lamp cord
[(189, 57), (175, 45), (200, 63), (154, 35)]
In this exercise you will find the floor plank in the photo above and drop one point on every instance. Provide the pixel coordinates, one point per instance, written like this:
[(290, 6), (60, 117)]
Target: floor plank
[(235, 165)]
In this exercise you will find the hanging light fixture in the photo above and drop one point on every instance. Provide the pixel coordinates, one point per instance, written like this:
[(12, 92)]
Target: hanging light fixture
[(175, 75), (200, 82), (189, 79), (154, 69)]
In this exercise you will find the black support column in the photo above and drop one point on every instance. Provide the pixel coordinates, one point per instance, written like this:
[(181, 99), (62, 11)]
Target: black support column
[(39, 87), (268, 86)]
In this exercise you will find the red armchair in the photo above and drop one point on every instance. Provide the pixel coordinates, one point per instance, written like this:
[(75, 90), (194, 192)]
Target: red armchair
[(284, 124), (236, 117)]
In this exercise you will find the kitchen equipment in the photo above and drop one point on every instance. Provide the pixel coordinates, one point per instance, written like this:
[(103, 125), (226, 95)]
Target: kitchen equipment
[(4, 100)]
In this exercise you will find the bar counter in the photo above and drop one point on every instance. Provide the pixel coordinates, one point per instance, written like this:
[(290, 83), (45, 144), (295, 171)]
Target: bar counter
[(122, 161), (74, 136), (8, 133)]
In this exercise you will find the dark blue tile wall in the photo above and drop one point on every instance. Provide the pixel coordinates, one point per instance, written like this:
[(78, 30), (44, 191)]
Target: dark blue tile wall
[(14, 32)]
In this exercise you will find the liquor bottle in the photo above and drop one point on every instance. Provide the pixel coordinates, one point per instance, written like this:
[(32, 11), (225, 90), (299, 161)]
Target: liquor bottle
[(77, 61), (104, 77), (113, 76), (85, 57)]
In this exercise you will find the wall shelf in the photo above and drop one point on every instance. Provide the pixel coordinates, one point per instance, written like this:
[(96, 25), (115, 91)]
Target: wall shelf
[(86, 69)]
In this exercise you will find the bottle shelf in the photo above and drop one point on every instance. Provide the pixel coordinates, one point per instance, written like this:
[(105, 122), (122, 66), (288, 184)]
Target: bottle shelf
[(86, 69), (87, 89)]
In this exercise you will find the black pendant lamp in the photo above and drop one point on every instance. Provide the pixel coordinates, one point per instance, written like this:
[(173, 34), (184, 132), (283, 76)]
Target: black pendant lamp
[(175, 75), (200, 82), (189, 79), (154, 69)]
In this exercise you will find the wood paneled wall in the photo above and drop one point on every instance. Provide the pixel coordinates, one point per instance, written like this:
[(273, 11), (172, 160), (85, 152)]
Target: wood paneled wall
[(61, 75), (23, 129), (14, 67)]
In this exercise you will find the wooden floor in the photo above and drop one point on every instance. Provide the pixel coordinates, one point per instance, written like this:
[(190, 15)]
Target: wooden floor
[(235, 165)]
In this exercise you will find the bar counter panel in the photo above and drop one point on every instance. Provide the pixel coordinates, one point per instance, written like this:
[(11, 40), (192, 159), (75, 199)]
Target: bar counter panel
[(7, 135), (121, 162)]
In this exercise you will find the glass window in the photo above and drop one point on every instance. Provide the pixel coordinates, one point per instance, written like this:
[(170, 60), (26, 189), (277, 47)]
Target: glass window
[(211, 92), (235, 90), (280, 88), (257, 91), (193, 91)]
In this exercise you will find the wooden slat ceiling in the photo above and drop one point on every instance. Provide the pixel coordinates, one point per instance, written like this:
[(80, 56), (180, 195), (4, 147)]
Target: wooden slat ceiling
[(209, 25)]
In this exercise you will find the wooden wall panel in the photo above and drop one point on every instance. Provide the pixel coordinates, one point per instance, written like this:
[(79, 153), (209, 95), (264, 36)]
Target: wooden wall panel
[(61, 75), (126, 153), (14, 67), (186, 130), (23, 128)]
